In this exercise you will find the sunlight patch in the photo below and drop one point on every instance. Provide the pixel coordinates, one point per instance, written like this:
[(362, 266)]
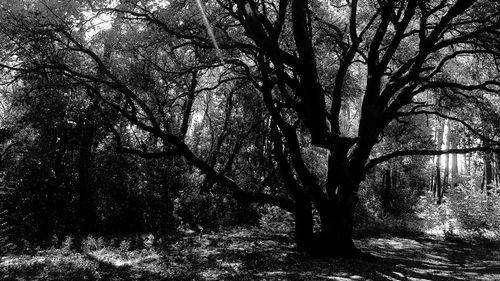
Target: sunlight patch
[(387, 277), (234, 266), (210, 274), (134, 259), (337, 278)]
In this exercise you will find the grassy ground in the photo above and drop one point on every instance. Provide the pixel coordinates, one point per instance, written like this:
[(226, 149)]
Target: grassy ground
[(243, 254)]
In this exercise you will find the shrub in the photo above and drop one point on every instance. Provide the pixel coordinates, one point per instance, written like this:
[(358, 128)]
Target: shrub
[(91, 244), (275, 219), (465, 211), (433, 216), (6, 245), (7, 241), (371, 220), (124, 246), (148, 241), (68, 243), (475, 211), (213, 209)]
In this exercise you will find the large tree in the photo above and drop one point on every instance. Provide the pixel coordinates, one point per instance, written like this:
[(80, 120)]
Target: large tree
[(306, 63)]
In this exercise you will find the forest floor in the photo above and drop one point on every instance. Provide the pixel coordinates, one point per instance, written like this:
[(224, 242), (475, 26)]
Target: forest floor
[(251, 254)]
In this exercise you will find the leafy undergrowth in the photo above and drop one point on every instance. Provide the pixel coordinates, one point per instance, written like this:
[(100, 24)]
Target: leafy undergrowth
[(251, 254)]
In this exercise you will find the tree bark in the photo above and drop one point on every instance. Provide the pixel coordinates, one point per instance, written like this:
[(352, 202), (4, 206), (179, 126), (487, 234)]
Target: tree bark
[(446, 176), (386, 192), (497, 169), (337, 212), (304, 226), (488, 171), (86, 205), (169, 222), (438, 188), (337, 221), (454, 179)]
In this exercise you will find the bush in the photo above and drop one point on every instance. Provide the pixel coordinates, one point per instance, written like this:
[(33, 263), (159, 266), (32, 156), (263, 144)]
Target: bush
[(371, 220), (91, 244), (434, 216), (212, 210), (465, 211), (475, 211), (68, 244), (275, 219), (6, 230)]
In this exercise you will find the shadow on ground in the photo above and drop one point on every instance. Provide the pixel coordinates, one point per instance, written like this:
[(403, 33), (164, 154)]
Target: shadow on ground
[(397, 259), (243, 254)]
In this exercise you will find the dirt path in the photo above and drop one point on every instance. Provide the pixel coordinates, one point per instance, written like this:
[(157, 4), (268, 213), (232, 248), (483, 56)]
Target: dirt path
[(253, 255), (398, 259), (427, 259)]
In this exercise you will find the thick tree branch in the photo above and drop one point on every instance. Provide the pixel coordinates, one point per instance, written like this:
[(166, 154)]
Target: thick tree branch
[(427, 152), (444, 116), (312, 93)]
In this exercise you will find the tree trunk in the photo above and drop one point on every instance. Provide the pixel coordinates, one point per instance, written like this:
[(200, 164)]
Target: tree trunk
[(454, 179), (497, 169), (386, 192), (483, 181), (446, 175), (336, 214), (86, 206), (488, 171), (439, 190), (488, 168), (337, 221), (468, 165), (169, 224), (439, 142), (304, 226), (395, 178)]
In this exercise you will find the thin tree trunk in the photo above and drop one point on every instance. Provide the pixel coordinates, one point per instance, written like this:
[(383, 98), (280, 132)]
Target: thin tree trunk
[(395, 178), (386, 192), (446, 176), (468, 164), (439, 190), (454, 159), (488, 171), (483, 181), (439, 136), (497, 169)]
